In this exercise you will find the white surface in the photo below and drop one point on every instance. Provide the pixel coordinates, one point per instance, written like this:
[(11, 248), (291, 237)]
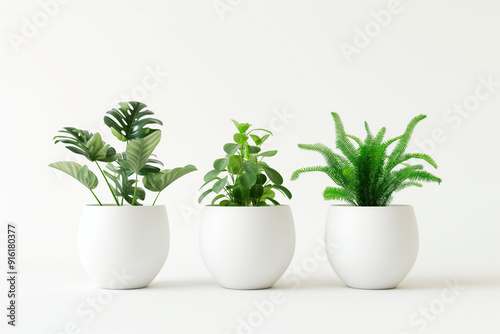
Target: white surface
[(247, 247), (371, 247), (275, 64)]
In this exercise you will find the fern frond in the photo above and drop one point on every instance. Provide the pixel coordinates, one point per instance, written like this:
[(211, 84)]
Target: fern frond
[(403, 142), (333, 193), (343, 143), (422, 156)]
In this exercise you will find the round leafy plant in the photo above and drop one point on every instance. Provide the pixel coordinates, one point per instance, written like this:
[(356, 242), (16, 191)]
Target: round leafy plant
[(242, 178), (130, 123), (367, 175)]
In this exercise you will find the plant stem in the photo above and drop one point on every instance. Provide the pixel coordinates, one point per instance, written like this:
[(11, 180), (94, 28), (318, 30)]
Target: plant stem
[(98, 201), (135, 189), (109, 186), (156, 198)]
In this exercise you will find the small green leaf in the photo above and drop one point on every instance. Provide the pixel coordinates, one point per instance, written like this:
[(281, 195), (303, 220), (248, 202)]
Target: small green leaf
[(256, 140), (253, 149), (219, 185), (250, 168), (234, 166), (256, 191), (261, 179), (273, 175), (158, 181), (211, 175), (202, 196), (236, 124), (221, 164), (239, 138), (284, 190), (241, 193), (247, 180), (231, 148), (217, 198), (264, 138), (268, 153), (243, 127)]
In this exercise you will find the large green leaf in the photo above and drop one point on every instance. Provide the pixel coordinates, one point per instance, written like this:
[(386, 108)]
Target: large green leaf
[(138, 151), (81, 173), (158, 181), (273, 175), (130, 121), (87, 144)]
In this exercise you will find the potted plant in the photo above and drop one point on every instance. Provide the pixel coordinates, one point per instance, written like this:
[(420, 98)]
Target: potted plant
[(247, 239), (122, 245), (370, 243)]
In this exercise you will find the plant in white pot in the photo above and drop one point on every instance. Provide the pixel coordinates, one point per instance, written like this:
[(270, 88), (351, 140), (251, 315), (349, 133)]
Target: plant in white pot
[(247, 239), (370, 243), (125, 244)]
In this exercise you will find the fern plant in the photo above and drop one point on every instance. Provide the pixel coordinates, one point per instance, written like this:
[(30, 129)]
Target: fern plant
[(366, 174), (130, 123)]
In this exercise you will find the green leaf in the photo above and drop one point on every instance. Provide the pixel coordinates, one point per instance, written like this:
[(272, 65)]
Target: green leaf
[(268, 153), (130, 121), (221, 164), (283, 190), (273, 175), (247, 180), (234, 166), (241, 194), (256, 191), (253, 149), (202, 196), (211, 175), (81, 173), (219, 185), (139, 150), (158, 181), (236, 124), (87, 144), (261, 179), (250, 168), (239, 138), (243, 127), (231, 148), (216, 198), (256, 140)]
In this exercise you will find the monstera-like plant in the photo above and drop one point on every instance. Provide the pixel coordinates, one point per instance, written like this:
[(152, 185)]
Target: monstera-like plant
[(130, 123), (124, 236)]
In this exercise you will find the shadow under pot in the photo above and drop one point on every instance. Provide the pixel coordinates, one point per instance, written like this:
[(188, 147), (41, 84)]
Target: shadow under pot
[(247, 247), (123, 247), (371, 247)]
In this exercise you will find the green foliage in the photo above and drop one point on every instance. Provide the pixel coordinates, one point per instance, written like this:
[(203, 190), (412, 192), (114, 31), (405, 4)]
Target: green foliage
[(248, 180), (130, 124), (87, 144), (366, 174), (130, 121)]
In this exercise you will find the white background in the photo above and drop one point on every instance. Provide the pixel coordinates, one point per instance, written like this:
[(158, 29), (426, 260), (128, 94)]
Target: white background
[(253, 62)]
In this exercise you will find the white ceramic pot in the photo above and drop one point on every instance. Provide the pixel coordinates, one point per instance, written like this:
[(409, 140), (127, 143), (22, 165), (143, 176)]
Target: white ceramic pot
[(371, 247), (123, 247), (247, 247)]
